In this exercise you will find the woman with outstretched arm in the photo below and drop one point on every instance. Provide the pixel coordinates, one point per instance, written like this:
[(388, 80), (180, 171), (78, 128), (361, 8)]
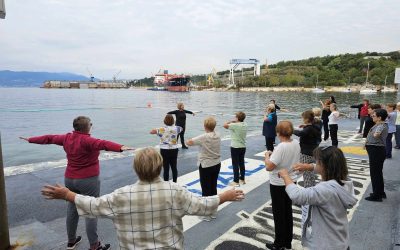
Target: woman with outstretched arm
[(147, 214), (180, 115), (82, 172)]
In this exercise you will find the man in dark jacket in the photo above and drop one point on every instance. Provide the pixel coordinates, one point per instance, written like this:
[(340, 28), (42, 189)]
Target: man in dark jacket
[(362, 113)]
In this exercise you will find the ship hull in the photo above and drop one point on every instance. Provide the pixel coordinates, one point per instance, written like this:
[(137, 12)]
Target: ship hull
[(178, 88)]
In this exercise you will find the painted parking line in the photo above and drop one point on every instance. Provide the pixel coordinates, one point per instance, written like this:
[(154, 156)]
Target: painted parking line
[(257, 228)]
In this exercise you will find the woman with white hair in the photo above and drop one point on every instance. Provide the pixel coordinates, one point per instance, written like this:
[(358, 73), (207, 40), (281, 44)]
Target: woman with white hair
[(147, 214)]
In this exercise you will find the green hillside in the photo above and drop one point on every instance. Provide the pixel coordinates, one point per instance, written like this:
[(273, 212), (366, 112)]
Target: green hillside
[(336, 70)]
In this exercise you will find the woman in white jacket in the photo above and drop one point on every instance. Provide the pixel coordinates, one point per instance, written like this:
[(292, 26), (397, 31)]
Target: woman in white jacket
[(328, 226)]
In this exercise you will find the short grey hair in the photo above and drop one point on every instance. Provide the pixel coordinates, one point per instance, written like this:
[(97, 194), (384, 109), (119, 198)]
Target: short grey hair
[(82, 124)]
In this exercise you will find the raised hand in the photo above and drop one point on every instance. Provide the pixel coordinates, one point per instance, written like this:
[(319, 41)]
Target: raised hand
[(24, 138)]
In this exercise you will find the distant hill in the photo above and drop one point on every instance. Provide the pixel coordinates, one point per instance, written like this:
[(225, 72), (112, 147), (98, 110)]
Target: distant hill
[(34, 79), (331, 70)]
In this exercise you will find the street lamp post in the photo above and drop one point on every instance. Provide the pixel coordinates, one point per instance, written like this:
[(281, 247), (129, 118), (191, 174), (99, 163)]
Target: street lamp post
[(2, 10), (4, 232)]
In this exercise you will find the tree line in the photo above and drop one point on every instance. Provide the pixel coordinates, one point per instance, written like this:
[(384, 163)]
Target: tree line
[(331, 70)]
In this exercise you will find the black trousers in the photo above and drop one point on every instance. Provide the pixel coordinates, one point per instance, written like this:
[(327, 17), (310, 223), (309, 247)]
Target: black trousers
[(283, 216), (377, 156), (326, 129), (362, 121), (269, 143), (170, 158), (389, 145), (208, 179), (333, 128), (237, 155), (182, 136)]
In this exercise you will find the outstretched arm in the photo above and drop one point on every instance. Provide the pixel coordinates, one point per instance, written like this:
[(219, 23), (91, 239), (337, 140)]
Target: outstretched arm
[(188, 112), (322, 104), (305, 196), (226, 125), (172, 112), (86, 205), (98, 144), (46, 139), (190, 142), (195, 205)]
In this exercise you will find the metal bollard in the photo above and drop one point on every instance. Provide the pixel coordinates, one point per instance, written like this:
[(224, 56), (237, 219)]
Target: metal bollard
[(4, 232)]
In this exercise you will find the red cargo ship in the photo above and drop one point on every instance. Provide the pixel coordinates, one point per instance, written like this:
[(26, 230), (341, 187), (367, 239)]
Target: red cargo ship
[(172, 82)]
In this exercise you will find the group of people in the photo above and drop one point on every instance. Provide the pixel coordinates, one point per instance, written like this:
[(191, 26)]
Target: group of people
[(378, 125), (131, 207)]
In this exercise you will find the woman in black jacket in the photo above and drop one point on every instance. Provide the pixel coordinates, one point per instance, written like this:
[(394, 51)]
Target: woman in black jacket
[(180, 115), (310, 137), (325, 114)]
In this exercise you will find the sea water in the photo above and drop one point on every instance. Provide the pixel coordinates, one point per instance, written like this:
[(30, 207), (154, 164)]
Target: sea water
[(126, 116)]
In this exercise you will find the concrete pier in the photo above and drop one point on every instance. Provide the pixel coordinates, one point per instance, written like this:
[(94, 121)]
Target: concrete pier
[(36, 223)]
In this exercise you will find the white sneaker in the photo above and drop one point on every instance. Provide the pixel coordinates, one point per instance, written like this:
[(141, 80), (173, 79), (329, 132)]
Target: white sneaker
[(214, 215), (234, 184), (242, 182)]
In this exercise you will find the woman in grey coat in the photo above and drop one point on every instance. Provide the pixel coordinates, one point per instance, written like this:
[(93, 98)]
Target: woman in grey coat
[(328, 226)]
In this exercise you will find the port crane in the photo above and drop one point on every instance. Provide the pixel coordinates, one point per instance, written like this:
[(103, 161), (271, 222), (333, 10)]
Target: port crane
[(91, 75), (234, 63), (210, 78), (115, 76)]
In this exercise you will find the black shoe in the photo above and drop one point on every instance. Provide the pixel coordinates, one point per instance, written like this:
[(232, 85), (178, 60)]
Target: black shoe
[(388, 157), (71, 246), (105, 247), (373, 198), (184, 147), (383, 196), (273, 247)]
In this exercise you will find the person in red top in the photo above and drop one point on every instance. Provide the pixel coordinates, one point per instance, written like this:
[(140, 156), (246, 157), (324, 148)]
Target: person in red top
[(362, 113), (82, 172)]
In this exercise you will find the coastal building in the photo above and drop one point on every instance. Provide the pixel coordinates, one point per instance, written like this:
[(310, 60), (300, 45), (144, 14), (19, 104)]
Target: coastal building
[(376, 57), (56, 84)]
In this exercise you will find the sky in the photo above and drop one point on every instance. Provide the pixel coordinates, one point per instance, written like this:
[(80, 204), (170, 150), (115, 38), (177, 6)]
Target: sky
[(140, 37)]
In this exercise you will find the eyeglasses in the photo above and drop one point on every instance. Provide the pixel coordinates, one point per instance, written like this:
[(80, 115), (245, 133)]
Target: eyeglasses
[(91, 124), (373, 115)]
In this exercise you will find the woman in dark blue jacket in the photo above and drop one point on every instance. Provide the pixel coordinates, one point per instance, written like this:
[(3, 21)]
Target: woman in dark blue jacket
[(269, 125)]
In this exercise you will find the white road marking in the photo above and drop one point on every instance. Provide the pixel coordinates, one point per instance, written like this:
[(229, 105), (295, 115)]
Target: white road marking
[(261, 223), (255, 176)]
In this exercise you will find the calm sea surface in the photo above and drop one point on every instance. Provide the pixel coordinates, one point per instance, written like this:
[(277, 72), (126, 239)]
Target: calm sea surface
[(123, 116)]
